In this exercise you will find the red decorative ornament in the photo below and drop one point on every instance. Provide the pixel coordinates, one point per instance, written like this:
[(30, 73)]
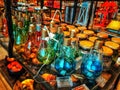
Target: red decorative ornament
[(105, 13)]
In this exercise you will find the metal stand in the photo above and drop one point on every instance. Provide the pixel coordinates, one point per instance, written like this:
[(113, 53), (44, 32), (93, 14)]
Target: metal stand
[(75, 8), (42, 3), (60, 5), (10, 30)]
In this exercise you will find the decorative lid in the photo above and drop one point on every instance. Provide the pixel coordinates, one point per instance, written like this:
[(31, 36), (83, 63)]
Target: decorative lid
[(72, 33), (81, 35), (73, 39), (75, 29), (67, 41), (66, 33), (60, 30), (102, 35), (106, 51), (32, 19), (86, 44), (88, 32), (70, 26), (52, 24), (82, 28), (112, 45), (98, 44), (44, 33), (31, 28), (92, 39), (116, 40)]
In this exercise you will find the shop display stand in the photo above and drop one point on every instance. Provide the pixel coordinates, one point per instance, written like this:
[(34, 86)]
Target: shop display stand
[(10, 30), (115, 72), (31, 70)]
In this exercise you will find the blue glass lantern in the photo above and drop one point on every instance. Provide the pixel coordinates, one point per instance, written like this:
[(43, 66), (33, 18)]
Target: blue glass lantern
[(91, 66)]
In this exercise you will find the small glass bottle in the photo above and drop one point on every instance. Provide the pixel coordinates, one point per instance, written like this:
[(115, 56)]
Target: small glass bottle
[(32, 20), (60, 35), (30, 41), (18, 34), (38, 35), (65, 62), (74, 42), (26, 28), (69, 51), (52, 23), (19, 16), (45, 53), (26, 23), (38, 28), (38, 17), (57, 36)]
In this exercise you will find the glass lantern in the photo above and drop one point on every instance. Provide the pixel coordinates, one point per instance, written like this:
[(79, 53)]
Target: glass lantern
[(91, 65), (65, 62)]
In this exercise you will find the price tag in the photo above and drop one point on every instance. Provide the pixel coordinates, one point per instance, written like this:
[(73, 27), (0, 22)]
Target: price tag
[(64, 82), (101, 81), (78, 62)]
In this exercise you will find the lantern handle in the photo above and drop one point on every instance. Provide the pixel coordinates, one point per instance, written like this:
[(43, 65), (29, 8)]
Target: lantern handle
[(57, 11)]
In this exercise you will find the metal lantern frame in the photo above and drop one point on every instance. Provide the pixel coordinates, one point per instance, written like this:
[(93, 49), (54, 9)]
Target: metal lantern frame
[(84, 13)]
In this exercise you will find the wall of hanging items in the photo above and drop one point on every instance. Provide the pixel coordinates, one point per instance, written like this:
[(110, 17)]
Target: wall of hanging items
[(52, 53)]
